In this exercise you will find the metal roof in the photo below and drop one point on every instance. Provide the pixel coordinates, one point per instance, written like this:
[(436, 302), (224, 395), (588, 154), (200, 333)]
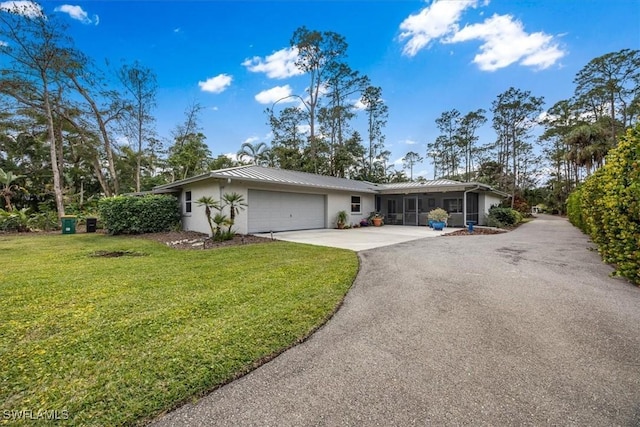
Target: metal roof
[(254, 173), (264, 174)]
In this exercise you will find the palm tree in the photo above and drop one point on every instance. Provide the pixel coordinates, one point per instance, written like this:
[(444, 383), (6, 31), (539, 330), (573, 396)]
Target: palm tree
[(8, 187), (589, 146), (209, 203), (219, 220), (258, 154), (236, 203)]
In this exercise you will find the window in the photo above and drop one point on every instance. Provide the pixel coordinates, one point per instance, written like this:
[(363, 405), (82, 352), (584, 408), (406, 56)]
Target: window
[(356, 204), (453, 205), (187, 202)]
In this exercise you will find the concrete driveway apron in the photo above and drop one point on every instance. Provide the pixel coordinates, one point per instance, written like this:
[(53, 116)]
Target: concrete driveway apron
[(358, 239), (522, 328)]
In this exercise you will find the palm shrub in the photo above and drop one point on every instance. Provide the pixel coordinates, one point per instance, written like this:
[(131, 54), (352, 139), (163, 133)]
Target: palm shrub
[(209, 203), (235, 203)]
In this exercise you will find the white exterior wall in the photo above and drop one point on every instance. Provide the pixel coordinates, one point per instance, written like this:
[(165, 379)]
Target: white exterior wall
[(197, 220), (335, 202), (485, 201)]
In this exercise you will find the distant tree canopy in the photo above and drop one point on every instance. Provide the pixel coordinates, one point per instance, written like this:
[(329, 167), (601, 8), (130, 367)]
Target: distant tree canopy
[(71, 132)]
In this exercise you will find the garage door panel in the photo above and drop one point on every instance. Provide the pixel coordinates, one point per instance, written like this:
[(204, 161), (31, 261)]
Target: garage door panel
[(281, 211)]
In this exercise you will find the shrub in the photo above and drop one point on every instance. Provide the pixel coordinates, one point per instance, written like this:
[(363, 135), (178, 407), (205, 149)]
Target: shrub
[(16, 220), (503, 217), (134, 215), (574, 209), (438, 214), (45, 221)]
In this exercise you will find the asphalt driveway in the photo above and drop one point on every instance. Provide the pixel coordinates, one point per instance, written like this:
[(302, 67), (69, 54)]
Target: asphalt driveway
[(522, 328)]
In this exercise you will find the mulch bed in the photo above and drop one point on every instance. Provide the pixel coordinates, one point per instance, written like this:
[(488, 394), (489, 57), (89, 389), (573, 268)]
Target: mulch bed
[(477, 231), (195, 240)]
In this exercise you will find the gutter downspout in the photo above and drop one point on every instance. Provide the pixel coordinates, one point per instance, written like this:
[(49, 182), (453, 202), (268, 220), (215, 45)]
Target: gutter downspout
[(464, 205)]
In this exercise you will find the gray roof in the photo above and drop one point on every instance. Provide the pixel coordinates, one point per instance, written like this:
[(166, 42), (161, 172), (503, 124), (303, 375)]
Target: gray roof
[(280, 176), (253, 173)]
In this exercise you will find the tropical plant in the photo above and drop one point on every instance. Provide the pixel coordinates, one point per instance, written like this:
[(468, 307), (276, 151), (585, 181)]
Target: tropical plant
[(8, 187), (257, 154), (209, 203), (221, 220), (341, 219), (235, 203), (15, 220)]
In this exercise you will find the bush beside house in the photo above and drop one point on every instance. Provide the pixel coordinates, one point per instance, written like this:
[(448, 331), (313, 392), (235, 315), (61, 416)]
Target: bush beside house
[(607, 207), (135, 215), (503, 217)]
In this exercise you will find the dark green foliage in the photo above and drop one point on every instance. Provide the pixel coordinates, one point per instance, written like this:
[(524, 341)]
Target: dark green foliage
[(574, 210), (134, 215), (17, 220), (607, 207), (503, 217), (45, 221)]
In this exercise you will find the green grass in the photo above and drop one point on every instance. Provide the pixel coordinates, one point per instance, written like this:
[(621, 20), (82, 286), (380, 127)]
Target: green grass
[(116, 341)]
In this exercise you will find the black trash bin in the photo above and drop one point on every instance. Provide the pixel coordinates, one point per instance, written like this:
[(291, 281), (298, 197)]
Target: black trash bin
[(92, 225)]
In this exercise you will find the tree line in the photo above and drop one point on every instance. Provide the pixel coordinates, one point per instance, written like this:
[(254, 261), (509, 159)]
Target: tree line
[(72, 131), (542, 155)]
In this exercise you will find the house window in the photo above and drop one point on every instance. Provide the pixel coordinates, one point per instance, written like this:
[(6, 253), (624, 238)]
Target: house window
[(187, 202), (453, 205), (356, 204)]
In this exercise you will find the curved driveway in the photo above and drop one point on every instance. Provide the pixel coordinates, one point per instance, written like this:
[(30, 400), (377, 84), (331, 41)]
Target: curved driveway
[(522, 328)]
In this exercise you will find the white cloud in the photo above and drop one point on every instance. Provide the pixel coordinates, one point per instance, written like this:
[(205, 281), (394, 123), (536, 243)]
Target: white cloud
[(506, 42), (22, 7), (274, 94), (278, 65), (410, 142), (251, 140), (434, 21), (304, 129), (77, 13), (217, 84)]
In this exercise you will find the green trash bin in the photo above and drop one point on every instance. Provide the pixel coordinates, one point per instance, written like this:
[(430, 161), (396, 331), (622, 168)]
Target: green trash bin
[(69, 224)]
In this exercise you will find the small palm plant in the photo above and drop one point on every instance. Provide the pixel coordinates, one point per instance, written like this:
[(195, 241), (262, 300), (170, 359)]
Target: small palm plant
[(236, 203), (209, 203), (221, 220)]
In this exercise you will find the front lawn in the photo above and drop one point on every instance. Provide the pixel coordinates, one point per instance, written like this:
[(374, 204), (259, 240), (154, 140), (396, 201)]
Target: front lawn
[(117, 340)]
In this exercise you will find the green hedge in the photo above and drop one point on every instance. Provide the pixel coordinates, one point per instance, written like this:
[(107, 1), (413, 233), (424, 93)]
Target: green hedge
[(135, 215), (574, 209), (607, 207)]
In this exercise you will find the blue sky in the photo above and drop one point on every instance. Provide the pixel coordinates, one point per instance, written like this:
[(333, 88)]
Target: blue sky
[(233, 57)]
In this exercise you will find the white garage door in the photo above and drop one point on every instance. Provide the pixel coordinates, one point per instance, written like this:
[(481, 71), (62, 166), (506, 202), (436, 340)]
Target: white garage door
[(278, 211)]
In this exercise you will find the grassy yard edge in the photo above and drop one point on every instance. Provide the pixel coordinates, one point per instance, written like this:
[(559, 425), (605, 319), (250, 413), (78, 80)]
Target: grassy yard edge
[(259, 362)]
